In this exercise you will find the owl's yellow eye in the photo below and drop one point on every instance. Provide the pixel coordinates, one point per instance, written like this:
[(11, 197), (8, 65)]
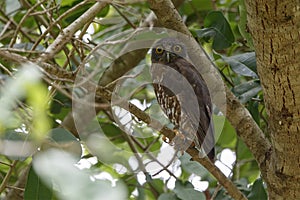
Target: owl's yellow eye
[(159, 50), (177, 48)]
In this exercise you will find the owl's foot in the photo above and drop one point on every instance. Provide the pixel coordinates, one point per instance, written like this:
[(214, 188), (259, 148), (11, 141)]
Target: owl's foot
[(181, 142)]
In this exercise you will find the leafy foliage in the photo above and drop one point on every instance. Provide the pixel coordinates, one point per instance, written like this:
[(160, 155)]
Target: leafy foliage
[(133, 162), (216, 27), (35, 188)]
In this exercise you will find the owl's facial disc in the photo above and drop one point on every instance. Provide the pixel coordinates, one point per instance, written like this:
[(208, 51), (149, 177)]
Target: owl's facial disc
[(166, 51)]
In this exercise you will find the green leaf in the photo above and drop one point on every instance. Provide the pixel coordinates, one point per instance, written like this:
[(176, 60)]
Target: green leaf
[(179, 185), (67, 4), (242, 184), (206, 33), (246, 91), (185, 191), (249, 170), (248, 167), (247, 96), (218, 28), (252, 106), (16, 145), (258, 191), (190, 7), (222, 195), (244, 87), (62, 135), (112, 131), (141, 192), (27, 84), (11, 6), (35, 188), (243, 64), (100, 146), (242, 151), (59, 102), (37, 99), (190, 194), (167, 196), (154, 148), (192, 167), (28, 23), (13, 135), (131, 182), (248, 59), (62, 139), (228, 137), (243, 24), (157, 184), (19, 88)]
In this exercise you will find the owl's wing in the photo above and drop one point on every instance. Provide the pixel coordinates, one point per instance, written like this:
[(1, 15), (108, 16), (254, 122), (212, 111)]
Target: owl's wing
[(201, 117)]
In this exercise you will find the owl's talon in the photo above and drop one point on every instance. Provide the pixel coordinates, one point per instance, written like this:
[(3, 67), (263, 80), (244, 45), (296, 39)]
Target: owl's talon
[(193, 145), (166, 139), (180, 141)]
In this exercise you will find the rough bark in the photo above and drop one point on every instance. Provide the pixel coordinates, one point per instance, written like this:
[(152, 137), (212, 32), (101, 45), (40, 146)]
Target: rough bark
[(275, 28)]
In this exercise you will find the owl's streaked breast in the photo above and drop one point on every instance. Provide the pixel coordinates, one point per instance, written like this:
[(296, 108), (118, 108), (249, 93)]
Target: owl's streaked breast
[(169, 103)]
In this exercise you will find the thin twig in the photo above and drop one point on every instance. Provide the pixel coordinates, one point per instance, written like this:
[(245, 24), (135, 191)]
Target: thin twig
[(15, 188), (124, 16), (217, 173), (13, 40), (21, 50), (7, 164), (140, 161), (49, 28), (13, 23), (6, 70), (68, 32), (7, 176), (44, 11)]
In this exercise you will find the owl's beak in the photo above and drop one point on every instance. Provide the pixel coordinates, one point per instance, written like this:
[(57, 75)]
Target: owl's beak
[(168, 56)]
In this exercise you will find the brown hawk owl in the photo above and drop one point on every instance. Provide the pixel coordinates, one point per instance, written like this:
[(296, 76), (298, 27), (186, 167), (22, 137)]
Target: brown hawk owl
[(183, 95)]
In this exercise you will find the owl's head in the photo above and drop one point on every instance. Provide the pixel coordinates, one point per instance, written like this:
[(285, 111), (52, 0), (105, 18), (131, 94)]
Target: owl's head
[(167, 50)]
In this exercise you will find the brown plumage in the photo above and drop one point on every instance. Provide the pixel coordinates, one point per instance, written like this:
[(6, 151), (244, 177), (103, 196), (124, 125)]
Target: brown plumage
[(183, 95)]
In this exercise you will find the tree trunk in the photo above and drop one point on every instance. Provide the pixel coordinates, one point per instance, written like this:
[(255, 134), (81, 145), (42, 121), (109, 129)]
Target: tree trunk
[(275, 28)]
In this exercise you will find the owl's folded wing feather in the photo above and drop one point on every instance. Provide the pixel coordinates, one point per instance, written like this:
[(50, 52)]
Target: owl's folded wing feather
[(201, 117)]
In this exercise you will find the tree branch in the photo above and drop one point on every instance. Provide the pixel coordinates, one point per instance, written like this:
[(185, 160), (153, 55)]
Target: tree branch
[(54, 72), (232, 190), (7, 176), (68, 32), (15, 194)]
